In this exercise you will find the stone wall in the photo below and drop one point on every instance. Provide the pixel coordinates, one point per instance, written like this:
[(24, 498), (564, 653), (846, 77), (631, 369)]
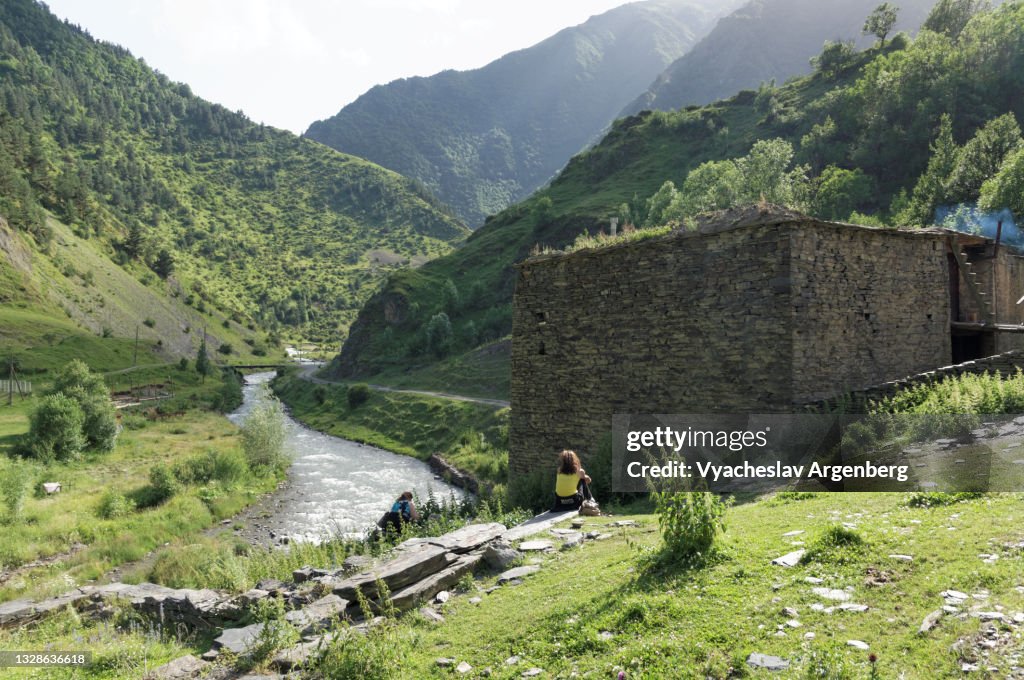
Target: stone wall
[(685, 323), (870, 305), (755, 315)]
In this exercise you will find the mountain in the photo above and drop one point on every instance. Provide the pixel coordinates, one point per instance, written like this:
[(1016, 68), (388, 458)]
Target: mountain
[(242, 224), (764, 40), (869, 120), (483, 139)]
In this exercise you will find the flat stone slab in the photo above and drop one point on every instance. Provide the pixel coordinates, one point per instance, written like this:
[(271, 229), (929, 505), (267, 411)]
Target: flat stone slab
[(469, 537), (318, 615), (294, 657), (767, 662), (931, 621), (238, 640), (535, 546), (789, 559), (858, 644), (409, 567), (518, 572), (435, 583), (572, 540), (182, 668), (542, 522), (500, 555), (831, 594)]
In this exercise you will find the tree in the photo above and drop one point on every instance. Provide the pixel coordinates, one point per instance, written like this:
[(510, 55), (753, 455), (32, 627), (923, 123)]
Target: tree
[(99, 426), (1006, 189), (14, 481), (881, 21), (713, 185), (658, 204), (982, 157), (949, 17), (840, 192), (439, 334), (930, 188), (203, 360), (164, 263), (766, 174), (55, 430), (135, 241), (836, 57), (263, 435)]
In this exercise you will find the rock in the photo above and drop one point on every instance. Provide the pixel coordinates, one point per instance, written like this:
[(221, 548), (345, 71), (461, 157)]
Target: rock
[(789, 559), (831, 594), (356, 563), (475, 600), (577, 524), (532, 673), (463, 668), (902, 558), (790, 612), (318, 615), (792, 533), (793, 623), (857, 644), (52, 488), (512, 660), (573, 540), (272, 586), (809, 636), (430, 586), (535, 525), (517, 573), (210, 655), (308, 574), (851, 607), (767, 662), (431, 615), (238, 640), (601, 537), (989, 616), (444, 662), (624, 523), (181, 668), (606, 635), (294, 657), (534, 546), (930, 621), (469, 537), (409, 567), (813, 580), (500, 555)]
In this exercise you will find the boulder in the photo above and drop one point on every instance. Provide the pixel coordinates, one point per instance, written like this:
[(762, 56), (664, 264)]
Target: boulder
[(767, 662), (500, 555), (356, 563), (536, 546), (435, 583), (930, 621), (789, 559), (289, 659), (182, 668), (238, 640), (318, 615), (518, 573), (409, 567)]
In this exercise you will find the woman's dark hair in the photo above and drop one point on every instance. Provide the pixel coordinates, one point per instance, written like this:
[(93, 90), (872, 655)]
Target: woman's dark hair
[(568, 462), (406, 496)]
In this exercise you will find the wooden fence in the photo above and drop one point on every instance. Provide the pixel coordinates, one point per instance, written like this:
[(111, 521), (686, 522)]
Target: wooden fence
[(19, 386)]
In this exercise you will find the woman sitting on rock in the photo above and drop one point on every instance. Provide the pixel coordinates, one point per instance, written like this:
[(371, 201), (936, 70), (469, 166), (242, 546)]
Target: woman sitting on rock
[(403, 510), (571, 483)]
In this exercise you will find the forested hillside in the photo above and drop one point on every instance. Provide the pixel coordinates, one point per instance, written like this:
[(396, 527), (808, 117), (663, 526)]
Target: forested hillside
[(195, 201), (763, 41), (484, 139), (854, 139)]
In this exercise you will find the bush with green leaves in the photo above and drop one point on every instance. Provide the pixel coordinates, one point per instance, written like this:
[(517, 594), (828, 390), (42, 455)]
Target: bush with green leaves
[(15, 478), (836, 545), (55, 430), (276, 633), (163, 485), (263, 435), (113, 505), (691, 523), (357, 394)]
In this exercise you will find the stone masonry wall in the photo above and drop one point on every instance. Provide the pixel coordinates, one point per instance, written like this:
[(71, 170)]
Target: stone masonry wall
[(686, 323), (870, 306)]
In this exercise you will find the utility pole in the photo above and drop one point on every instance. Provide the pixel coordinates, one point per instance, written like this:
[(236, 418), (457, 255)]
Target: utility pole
[(10, 383)]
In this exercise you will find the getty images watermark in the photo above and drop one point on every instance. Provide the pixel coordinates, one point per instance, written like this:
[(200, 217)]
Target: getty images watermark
[(812, 452)]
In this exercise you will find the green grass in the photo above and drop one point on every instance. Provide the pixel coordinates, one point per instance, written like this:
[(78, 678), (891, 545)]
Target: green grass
[(409, 424), (482, 372)]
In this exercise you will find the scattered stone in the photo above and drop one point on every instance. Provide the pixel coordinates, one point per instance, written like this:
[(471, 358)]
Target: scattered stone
[(930, 621), (463, 668), (475, 600), (517, 573), (954, 597), (181, 668), (293, 657), (902, 558), (500, 555), (442, 597), (210, 655), (969, 667), (238, 640), (989, 616), (851, 607), (814, 580), (797, 532), (308, 574), (577, 524), (512, 660), (808, 636), (793, 623), (272, 585), (51, 488), (624, 523), (858, 644), (831, 594), (431, 615), (445, 662), (601, 537), (572, 541), (767, 662), (950, 609), (790, 612), (789, 559), (1018, 617), (319, 615), (606, 635), (534, 546), (532, 673)]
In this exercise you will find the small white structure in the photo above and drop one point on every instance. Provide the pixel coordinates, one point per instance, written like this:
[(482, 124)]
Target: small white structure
[(51, 487)]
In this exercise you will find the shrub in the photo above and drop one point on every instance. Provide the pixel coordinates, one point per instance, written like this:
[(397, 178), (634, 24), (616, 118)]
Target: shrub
[(55, 431), (836, 545), (183, 364), (533, 491), (277, 633), (224, 466), (691, 522), (225, 348), (99, 426), (357, 394), (263, 435), (229, 466), (148, 322), (320, 394), (14, 484), (162, 483), (113, 505), (931, 499)]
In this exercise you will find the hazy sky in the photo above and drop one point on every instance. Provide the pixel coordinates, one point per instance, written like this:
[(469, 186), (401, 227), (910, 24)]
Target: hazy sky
[(288, 63)]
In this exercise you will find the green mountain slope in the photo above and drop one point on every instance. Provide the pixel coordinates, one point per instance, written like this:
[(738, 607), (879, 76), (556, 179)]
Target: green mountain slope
[(763, 40), (486, 138), (264, 227), (879, 113)]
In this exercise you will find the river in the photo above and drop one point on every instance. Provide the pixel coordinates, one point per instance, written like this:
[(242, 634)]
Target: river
[(336, 486)]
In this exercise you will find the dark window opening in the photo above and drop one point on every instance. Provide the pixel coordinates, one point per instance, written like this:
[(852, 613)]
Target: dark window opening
[(541, 316), (542, 349), (971, 346)]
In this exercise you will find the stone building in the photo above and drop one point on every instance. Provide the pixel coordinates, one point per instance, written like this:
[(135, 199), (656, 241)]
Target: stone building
[(758, 310)]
